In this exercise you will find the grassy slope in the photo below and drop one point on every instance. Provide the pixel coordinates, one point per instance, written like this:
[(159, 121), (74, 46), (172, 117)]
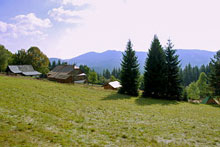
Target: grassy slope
[(34, 112)]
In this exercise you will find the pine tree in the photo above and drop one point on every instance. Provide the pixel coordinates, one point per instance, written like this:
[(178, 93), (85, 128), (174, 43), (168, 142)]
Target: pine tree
[(106, 74), (50, 66), (129, 72), (53, 64), (155, 67), (59, 62), (215, 74), (114, 72), (173, 81), (202, 69)]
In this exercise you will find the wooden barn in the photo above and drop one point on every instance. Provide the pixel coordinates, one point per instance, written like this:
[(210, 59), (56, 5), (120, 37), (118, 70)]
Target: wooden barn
[(67, 74), (112, 85), (25, 70)]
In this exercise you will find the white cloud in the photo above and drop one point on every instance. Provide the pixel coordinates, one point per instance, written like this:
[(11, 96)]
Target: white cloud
[(3, 26), (31, 21), (76, 2), (109, 25), (25, 25), (67, 16)]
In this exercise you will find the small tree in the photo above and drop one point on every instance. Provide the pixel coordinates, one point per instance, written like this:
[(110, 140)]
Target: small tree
[(93, 77), (193, 91), (215, 74), (113, 78), (203, 85), (184, 95), (129, 72)]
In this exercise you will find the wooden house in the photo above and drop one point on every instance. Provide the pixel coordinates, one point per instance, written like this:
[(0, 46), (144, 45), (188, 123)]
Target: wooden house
[(112, 85), (67, 74), (25, 70)]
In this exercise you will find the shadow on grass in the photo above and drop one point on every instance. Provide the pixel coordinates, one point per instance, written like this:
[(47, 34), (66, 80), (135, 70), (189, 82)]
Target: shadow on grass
[(150, 101), (117, 96), (212, 105)]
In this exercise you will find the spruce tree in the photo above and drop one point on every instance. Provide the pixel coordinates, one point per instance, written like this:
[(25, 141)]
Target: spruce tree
[(155, 68), (173, 83), (129, 72), (215, 74)]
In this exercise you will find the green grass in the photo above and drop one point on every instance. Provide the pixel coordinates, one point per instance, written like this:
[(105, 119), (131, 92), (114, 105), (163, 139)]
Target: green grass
[(42, 113)]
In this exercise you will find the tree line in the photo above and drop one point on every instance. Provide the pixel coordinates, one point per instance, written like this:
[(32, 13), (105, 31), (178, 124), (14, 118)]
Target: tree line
[(33, 56), (101, 78), (163, 77), (191, 74)]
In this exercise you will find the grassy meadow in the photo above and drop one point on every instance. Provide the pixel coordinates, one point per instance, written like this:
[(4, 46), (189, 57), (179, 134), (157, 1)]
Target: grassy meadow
[(43, 113)]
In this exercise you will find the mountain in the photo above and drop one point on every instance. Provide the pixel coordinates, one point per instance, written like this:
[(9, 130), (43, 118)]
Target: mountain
[(55, 59), (111, 59)]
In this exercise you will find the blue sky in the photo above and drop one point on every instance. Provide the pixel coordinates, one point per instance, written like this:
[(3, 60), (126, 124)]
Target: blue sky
[(68, 28)]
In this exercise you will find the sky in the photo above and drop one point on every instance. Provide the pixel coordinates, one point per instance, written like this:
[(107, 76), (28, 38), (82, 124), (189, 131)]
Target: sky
[(68, 28)]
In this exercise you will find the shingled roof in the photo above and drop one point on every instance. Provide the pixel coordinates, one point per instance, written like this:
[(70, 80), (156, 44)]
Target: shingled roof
[(26, 70), (61, 72)]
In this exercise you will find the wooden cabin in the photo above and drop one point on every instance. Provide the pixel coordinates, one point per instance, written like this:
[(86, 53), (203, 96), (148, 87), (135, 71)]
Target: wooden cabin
[(67, 74), (112, 85), (25, 70)]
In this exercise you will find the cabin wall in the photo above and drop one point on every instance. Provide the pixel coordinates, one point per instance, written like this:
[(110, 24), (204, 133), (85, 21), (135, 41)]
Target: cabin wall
[(78, 78), (109, 87)]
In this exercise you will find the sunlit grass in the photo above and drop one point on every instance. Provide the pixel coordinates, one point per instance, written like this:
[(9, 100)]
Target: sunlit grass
[(34, 112)]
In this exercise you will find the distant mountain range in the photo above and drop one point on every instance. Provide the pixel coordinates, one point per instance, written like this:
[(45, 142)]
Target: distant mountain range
[(111, 59)]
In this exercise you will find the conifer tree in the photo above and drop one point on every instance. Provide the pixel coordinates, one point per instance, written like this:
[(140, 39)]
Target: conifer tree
[(155, 68), (53, 64), (215, 74), (173, 81), (59, 62), (129, 72)]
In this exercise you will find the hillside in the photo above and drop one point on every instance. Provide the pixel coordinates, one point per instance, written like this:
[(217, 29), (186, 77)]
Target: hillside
[(42, 113), (110, 59)]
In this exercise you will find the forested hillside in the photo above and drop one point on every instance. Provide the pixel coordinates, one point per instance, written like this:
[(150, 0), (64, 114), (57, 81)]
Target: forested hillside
[(111, 59)]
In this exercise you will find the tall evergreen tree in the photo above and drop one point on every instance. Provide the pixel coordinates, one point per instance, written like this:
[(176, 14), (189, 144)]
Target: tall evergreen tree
[(59, 62), (129, 72), (53, 65), (202, 69), (215, 74), (155, 69), (107, 74), (50, 66), (173, 83)]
